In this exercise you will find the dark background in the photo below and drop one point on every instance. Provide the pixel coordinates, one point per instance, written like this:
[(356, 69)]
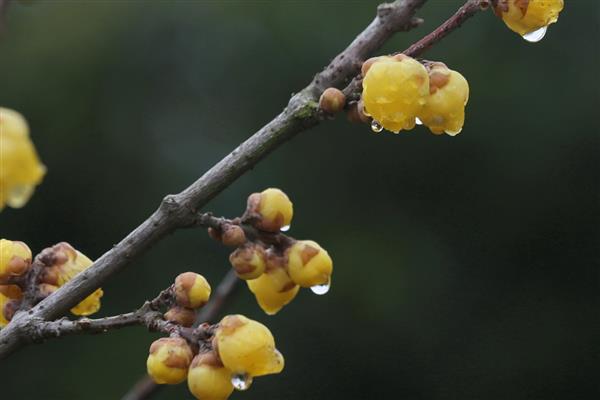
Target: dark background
[(465, 268)]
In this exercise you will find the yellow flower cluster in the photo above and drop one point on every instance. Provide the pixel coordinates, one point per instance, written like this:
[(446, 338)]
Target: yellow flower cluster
[(400, 92), (274, 274), (241, 350), (15, 261), (529, 18), (20, 168), (62, 263)]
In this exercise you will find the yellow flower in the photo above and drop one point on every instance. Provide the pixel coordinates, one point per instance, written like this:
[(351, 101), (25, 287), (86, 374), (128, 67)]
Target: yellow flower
[(168, 360), (394, 91), (208, 379), (247, 347), (309, 264), (271, 210), (273, 289), (248, 261), (66, 263), (20, 167), (15, 258), (445, 107), (527, 16), (191, 290)]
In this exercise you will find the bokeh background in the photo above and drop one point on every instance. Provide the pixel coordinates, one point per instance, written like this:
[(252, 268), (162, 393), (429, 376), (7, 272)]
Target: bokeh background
[(465, 267)]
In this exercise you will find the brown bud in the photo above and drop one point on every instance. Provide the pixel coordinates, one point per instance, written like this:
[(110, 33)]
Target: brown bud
[(181, 316), (233, 235), (214, 234), (332, 101), (248, 261)]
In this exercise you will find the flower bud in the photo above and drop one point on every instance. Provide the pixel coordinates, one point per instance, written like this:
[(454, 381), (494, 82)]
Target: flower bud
[(273, 289), (308, 263), (247, 347), (214, 234), (233, 235), (332, 100), (270, 210), (445, 107), (15, 259), (169, 360), (21, 169), (394, 91), (11, 291), (208, 379), (181, 316), (62, 263), (191, 290), (248, 261), (528, 16)]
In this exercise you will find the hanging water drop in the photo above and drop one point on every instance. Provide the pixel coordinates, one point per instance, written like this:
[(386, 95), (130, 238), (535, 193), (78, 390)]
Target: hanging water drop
[(321, 289), (376, 126), (418, 121), (241, 381), (285, 228), (537, 35)]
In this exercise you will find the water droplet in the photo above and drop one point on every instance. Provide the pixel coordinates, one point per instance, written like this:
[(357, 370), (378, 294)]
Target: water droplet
[(536, 35), (241, 381), (376, 126), (321, 289), (418, 121), (285, 228)]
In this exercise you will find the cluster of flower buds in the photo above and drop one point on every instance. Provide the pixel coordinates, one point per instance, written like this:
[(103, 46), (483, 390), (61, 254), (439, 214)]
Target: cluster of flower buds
[(529, 18), (59, 264), (274, 265), (399, 92), (20, 168), (237, 350), (190, 292)]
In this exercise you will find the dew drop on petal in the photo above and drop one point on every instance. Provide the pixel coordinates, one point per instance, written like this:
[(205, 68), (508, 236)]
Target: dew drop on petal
[(376, 126), (418, 121), (537, 35), (321, 289), (285, 228), (241, 381)]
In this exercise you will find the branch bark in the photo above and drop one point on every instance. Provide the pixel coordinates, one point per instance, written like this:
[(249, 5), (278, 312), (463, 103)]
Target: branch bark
[(178, 211)]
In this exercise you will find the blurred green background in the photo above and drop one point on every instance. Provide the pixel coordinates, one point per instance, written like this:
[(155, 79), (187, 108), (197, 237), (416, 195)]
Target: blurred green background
[(465, 267)]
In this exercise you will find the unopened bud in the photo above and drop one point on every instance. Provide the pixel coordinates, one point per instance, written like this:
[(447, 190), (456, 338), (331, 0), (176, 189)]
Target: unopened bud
[(248, 261), (181, 316), (332, 100), (233, 235)]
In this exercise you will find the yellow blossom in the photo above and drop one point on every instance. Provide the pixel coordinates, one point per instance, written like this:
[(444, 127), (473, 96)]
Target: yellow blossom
[(20, 168), (168, 360), (309, 264)]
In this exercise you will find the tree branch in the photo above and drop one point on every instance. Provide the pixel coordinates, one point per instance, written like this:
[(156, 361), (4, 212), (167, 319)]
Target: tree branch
[(179, 211)]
